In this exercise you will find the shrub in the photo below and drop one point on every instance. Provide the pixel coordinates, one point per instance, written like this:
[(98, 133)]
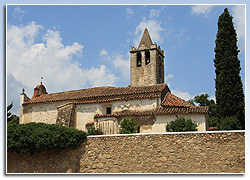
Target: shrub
[(213, 121), (181, 125), (128, 126), (92, 131), (230, 123), (37, 137)]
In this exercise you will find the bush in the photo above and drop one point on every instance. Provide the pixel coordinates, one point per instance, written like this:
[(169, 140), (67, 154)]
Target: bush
[(181, 125), (128, 126), (230, 123), (213, 121), (37, 137), (92, 131)]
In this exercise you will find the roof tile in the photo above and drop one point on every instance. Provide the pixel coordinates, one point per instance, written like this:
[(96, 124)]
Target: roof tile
[(101, 94)]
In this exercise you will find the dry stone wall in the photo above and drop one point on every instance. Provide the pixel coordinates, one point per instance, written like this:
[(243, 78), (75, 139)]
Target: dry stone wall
[(166, 153), (65, 161), (213, 152)]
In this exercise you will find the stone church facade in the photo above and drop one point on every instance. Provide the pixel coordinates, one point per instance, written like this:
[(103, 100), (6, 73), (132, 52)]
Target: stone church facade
[(148, 100)]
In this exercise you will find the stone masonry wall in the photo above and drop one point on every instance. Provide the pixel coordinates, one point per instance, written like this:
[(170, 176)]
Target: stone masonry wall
[(166, 153), (46, 162), (66, 115), (199, 152)]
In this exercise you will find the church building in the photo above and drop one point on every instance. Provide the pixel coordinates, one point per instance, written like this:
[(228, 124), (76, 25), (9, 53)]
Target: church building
[(148, 100)]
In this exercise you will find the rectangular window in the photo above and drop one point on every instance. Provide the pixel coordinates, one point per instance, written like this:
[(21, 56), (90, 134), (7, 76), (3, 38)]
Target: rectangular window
[(147, 57), (108, 110), (138, 59)]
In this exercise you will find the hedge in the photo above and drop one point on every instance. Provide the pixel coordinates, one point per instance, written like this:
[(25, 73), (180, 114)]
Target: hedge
[(38, 137)]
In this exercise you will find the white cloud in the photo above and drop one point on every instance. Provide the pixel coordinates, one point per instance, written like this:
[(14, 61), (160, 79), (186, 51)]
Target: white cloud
[(103, 52), (238, 13), (181, 36), (129, 11), (202, 9), (27, 62), (168, 79), (14, 88), (184, 95), (154, 13), (169, 76), (154, 28), (100, 76), (120, 64), (18, 13)]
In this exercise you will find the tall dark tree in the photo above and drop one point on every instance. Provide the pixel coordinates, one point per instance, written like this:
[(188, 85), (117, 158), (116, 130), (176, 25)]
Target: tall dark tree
[(229, 89)]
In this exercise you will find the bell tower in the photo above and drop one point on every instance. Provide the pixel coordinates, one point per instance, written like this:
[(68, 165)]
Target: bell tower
[(146, 63)]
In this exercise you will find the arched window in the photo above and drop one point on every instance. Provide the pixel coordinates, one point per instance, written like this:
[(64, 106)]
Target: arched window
[(138, 62), (147, 57)]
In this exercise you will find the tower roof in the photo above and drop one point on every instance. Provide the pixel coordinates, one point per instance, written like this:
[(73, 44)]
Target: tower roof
[(146, 41)]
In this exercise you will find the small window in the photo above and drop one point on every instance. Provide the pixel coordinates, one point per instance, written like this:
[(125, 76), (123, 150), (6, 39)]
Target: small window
[(147, 57), (138, 59), (108, 110)]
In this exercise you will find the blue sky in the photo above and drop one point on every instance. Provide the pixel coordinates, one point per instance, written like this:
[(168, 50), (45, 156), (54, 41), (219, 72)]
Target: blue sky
[(82, 46)]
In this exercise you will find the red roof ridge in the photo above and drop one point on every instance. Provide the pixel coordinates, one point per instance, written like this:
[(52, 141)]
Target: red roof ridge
[(170, 100), (97, 92)]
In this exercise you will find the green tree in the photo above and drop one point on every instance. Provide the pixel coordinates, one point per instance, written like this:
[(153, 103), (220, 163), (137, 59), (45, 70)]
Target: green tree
[(9, 114), (128, 126), (229, 89), (191, 101), (230, 123), (11, 118), (181, 125), (202, 100)]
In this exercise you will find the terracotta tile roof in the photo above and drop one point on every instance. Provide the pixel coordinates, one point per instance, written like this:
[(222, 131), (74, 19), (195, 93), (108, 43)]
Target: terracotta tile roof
[(182, 110), (127, 113), (128, 97), (171, 100), (90, 124), (160, 111), (101, 94), (170, 105)]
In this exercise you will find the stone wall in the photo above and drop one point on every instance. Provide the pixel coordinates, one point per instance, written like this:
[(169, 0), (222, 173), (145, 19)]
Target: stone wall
[(199, 152), (66, 115), (46, 162), (166, 153), (147, 74)]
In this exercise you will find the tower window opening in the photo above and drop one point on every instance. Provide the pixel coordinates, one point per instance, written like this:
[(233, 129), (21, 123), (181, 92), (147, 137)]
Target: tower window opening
[(147, 57), (108, 110), (138, 59)]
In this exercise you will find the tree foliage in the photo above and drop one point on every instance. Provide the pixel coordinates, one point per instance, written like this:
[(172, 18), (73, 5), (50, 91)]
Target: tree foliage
[(181, 124), (230, 123), (128, 126), (202, 100), (92, 131), (37, 137), (229, 89), (11, 118)]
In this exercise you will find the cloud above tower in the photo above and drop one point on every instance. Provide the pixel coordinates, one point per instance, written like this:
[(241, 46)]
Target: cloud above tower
[(28, 60)]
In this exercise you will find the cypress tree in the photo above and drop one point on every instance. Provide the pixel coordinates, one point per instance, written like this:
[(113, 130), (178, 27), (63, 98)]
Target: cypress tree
[(229, 89)]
